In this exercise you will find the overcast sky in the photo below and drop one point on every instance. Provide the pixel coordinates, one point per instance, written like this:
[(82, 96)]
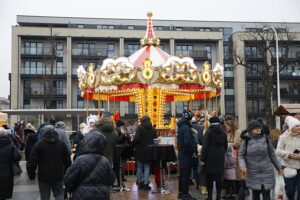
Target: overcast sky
[(209, 10)]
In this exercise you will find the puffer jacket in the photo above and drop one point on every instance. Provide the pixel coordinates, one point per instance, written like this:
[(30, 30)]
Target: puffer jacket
[(287, 144), (62, 134), (258, 159), (187, 146), (8, 154), (106, 127), (91, 175)]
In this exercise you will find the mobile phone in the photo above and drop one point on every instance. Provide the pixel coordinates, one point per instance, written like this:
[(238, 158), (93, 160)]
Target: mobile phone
[(296, 151)]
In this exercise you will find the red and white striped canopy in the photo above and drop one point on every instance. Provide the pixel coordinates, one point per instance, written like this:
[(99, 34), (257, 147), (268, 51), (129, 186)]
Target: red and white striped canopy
[(155, 54)]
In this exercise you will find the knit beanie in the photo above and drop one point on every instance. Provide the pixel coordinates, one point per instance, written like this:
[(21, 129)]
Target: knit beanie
[(120, 123), (291, 122), (214, 119), (253, 125)]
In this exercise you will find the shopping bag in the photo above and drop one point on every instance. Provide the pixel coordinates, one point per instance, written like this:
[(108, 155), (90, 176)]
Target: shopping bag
[(279, 191)]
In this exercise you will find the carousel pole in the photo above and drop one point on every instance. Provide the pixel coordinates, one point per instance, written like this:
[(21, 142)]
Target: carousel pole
[(205, 117), (87, 107), (99, 107), (191, 103)]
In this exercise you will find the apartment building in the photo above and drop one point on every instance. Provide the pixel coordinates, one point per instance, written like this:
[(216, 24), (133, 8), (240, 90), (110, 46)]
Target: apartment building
[(46, 52)]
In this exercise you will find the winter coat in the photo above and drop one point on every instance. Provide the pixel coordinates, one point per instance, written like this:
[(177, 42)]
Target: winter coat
[(213, 150), (19, 131), (91, 175), (199, 129), (30, 141), (288, 144), (8, 154), (106, 127), (235, 142), (187, 147), (62, 134), (52, 158), (76, 137), (258, 159), (125, 139), (144, 136), (229, 168)]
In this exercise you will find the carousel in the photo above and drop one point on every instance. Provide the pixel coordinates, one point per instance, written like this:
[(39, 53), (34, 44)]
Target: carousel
[(150, 77)]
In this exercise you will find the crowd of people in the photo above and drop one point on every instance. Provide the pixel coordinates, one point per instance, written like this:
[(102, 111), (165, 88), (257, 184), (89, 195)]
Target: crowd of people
[(86, 164)]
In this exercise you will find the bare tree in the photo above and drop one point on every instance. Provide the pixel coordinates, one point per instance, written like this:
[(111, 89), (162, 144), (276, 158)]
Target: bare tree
[(264, 41)]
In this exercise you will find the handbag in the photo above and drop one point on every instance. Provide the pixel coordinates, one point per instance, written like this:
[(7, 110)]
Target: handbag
[(289, 172), (15, 165)]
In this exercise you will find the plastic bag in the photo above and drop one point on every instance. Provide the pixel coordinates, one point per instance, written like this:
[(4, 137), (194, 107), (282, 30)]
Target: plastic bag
[(279, 191)]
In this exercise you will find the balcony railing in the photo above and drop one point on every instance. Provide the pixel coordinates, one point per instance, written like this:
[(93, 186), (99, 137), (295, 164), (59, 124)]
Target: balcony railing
[(43, 71), (96, 52), (40, 91), (194, 53), (41, 51)]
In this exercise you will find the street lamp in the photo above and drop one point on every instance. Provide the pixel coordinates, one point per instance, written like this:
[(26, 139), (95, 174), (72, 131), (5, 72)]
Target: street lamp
[(277, 63)]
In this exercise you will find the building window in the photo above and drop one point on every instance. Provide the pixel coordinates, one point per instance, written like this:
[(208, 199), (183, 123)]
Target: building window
[(253, 88), (205, 29), (130, 27), (178, 29), (252, 52), (58, 87), (33, 48), (228, 70), (59, 49), (99, 26), (80, 103), (79, 25), (229, 90), (227, 32), (111, 50), (184, 50), (85, 49), (208, 49), (158, 28), (39, 67), (161, 47), (255, 106), (229, 106), (108, 27), (131, 48), (253, 70), (59, 68)]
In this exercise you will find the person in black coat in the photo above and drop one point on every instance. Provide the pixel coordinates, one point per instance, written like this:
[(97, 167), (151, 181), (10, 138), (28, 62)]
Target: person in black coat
[(187, 153), (91, 175), (213, 155), (52, 158), (29, 142), (8, 154), (144, 136)]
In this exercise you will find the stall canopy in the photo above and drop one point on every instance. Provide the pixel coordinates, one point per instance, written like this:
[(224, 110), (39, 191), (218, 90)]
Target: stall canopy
[(287, 109)]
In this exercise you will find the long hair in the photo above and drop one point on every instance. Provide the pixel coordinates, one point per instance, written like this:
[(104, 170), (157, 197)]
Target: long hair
[(229, 121)]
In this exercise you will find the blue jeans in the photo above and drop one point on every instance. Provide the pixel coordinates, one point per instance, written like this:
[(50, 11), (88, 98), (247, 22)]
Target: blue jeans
[(143, 172), (291, 184)]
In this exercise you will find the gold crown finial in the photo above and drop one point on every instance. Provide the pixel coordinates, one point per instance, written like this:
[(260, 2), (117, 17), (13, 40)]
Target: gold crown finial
[(149, 14)]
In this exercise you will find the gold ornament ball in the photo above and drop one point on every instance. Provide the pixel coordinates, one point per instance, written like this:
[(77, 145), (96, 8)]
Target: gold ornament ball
[(149, 14)]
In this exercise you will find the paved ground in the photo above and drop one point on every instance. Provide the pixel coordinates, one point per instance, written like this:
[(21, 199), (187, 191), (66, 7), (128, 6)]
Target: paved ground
[(26, 189)]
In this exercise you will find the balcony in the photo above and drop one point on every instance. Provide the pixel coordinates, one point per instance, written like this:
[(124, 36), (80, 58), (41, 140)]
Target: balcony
[(93, 53), (41, 52), (195, 54), (38, 92), (254, 57), (27, 72)]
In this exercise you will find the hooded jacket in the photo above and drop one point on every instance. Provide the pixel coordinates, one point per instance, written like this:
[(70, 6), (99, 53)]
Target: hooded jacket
[(144, 136), (62, 135), (30, 141), (91, 175), (52, 158), (8, 154), (106, 127), (258, 156), (187, 146)]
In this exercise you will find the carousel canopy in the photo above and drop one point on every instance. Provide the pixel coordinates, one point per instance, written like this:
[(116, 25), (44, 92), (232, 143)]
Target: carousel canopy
[(150, 77)]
